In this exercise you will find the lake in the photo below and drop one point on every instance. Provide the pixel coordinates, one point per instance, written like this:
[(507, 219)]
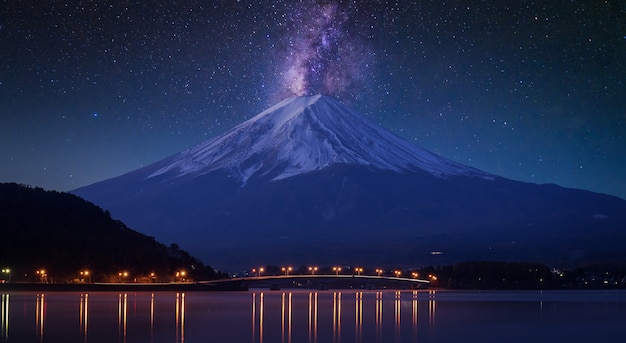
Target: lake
[(287, 316)]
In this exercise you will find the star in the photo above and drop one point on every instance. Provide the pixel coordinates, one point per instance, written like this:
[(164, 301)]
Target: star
[(322, 55), (172, 74)]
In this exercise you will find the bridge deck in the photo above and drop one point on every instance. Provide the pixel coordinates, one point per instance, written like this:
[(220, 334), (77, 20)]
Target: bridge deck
[(320, 276)]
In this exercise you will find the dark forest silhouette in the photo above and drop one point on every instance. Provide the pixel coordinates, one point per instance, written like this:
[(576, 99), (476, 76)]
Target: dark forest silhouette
[(64, 234)]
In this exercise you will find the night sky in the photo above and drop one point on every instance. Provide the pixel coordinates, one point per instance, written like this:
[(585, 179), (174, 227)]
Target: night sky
[(530, 90)]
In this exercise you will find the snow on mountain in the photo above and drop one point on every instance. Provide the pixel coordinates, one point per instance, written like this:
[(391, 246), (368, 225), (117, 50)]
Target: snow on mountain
[(303, 134), (312, 181)]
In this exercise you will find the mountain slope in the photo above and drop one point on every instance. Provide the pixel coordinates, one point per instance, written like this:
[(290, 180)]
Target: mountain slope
[(65, 234), (303, 134), (312, 181)]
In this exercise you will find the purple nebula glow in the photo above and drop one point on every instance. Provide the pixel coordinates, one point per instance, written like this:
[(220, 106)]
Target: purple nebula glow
[(325, 52)]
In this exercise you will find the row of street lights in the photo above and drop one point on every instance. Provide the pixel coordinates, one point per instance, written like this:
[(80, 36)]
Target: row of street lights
[(85, 275), (180, 276), (358, 270)]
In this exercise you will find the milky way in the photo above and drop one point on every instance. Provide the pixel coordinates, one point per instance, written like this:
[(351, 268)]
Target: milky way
[(324, 52), (529, 90)]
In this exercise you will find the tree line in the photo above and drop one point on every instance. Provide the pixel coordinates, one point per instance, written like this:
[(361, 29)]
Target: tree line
[(64, 234)]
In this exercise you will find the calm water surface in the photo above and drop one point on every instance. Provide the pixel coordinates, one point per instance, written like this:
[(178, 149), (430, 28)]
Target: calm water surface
[(315, 316)]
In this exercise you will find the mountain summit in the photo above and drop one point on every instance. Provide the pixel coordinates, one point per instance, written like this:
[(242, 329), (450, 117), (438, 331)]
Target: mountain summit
[(310, 180), (303, 134)]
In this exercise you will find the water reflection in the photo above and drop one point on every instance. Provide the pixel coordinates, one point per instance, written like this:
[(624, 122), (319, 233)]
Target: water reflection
[(253, 321), (83, 312), (414, 312), (151, 317), (358, 317), (286, 316), (40, 315), (4, 317), (123, 315), (379, 315), (261, 320), (397, 311), (122, 311), (359, 308), (312, 317), (180, 317), (307, 316), (432, 306), (337, 316), (294, 316)]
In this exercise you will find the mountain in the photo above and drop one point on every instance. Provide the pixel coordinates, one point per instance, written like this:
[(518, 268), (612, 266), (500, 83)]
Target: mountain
[(64, 234), (304, 134), (310, 180)]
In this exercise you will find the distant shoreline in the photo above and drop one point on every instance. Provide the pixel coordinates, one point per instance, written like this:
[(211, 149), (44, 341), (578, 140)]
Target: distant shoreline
[(117, 287)]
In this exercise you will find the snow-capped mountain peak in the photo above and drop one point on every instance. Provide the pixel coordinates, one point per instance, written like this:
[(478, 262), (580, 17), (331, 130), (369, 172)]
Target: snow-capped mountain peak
[(304, 134), (301, 178)]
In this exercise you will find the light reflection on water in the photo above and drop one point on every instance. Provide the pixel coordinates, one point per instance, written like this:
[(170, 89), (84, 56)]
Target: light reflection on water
[(312, 316), (287, 314), (83, 315), (4, 316), (122, 306), (41, 315)]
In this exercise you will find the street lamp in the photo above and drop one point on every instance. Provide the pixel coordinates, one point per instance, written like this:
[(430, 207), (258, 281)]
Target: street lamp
[(180, 275), (397, 272), (85, 274), (379, 271), (286, 270), (414, 275), (7, 271), (312, 270), (358, 270), (258, 271), (336, 270), (123, 275), (43, 275)]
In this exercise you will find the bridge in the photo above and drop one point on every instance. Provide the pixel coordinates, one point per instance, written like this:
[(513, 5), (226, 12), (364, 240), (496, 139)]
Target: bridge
[(321, 281)]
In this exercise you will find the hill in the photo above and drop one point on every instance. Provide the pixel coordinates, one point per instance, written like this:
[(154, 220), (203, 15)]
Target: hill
[(65, 235)]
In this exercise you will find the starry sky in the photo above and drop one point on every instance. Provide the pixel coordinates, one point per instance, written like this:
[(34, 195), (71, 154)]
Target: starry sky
[(530, 90)]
